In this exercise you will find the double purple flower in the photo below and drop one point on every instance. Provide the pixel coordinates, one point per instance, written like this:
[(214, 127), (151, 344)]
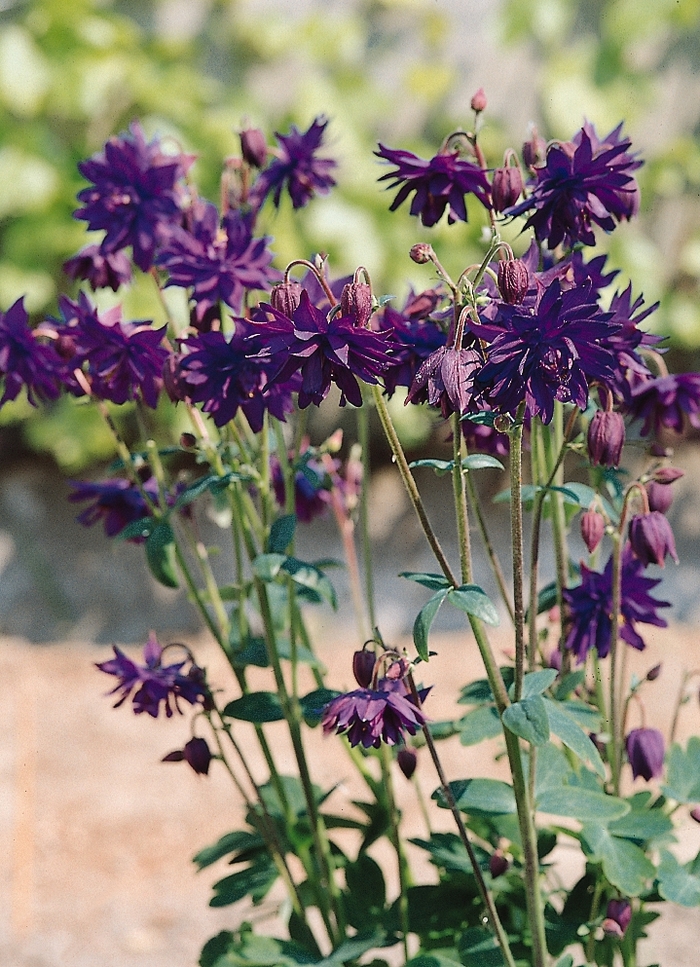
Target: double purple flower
[(296, 168)]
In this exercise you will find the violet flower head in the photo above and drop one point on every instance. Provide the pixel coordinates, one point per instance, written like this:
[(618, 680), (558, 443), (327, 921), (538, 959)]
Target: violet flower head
[(583, 183), (25, 360), (446, 378), (606, 438), (651, 538), (439, 184), (225, 375), (219, 263), (133, 197), (645, 752), (323, 351), (101, 270), (154, 684), (413, 338), (371, 716), (196, 753), (296, 168), (664, 401), (115, 502), (590, 607), (548, 353)]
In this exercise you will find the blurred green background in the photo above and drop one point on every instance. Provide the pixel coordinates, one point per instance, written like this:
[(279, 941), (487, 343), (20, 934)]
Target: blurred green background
[(72, 72)]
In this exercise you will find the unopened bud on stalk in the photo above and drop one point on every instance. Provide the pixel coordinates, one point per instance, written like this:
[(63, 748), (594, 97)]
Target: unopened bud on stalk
[(534, 150), (421, 253), (617, 918), (606, 438), (363, 663), (513, 281), (507, 187), (407, 760), (660, 496), (654, 673), (253, 147), (188, 441), (592, 529), (356, 301), (498, 864), (478, 101), (285, 297)]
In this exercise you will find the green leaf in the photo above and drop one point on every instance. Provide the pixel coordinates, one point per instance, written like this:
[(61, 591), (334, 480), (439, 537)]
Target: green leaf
[(255, 707), (424, 619), (478, 948), (582, 804), (677, 883), (527, 494), (441, 467), (447, 852), (641, 823), (433, 581), (434, 959), (479, 796), (255, 880), (481, 461), (479, 691), (281, 534), (484, 418), (546, 598), (350, 950), (160, 554), (566, 961), (367, 891), (267, 566), (534, 683), (579, 494), (229, 843), (137, 529), (624, 864), (569, 683), (683, 772), (528, 719), (472, 599), (572, 735), (195, 490), (482, 723), (313, 704), (309, 577)]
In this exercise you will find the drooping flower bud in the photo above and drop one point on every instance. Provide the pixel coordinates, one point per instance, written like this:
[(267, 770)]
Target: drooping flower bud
[(606, 438), (407, 760), (363, 663), (253, 147), (478, 101), (592, 529), (498, 864), (196, 753), (286, 297), (507, 187), (660, 496), (188, 441), (667, 475), (534, 150), (695, 814), (653, 673), (617, 918), (421, 252), (645, 752), (356, 301), (513, 281), (651, 538)]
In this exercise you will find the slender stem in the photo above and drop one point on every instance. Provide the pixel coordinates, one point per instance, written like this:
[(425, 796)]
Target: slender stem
[(516, 533), (367, 562), (460, 498), (475, 503), (397, 843)]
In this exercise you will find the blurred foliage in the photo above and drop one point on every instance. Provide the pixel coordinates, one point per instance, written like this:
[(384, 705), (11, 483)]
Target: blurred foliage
[(72, 72)]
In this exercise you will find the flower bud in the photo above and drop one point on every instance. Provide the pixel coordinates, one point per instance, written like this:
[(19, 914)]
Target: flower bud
[(188, 441), (653, 673), (534, 150), (513, 281), (667, 475), (498, 864), (606, 438), (478, 101), (592, 529), (196, 753), (356, 301), (507, 187), (408, 760), (651, 538), (695, 814), (421, 253), (660, 496), (285, 297), (363, 663), (617, 917), (645, 752), (253, 147)]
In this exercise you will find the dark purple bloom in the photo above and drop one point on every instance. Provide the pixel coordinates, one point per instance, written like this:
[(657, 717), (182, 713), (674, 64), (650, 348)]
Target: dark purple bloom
[(407, 760), (324, 351), (498, 863), (507, 187), (225, 376), (590, 607), (606, 438), (101, 270), (196, 753), (116, 502), (659, 495), (296, 168), (219, 263), (584, 182), (153, 682), (662, 402), (546, 354), (651, 538), (25, 360), (645, 751), (312, 486), (439, 184), (482, 438), (363, 665), (446, 379), (412, 336), (253, 147), (372, 716), (617, 918), (133, 196), (513, 281)]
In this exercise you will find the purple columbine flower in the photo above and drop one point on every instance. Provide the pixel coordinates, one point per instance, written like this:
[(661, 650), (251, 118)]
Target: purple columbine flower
[(606, 438), (134, 196), (590, 607), (225, 375), (663, 402), (651, 538), (617, 918), (645, 752), (25, 360), (296, 168), (101, 270), (371, 716), (116, 503), (546, 354), (154, 684), (439, 184), (196, 753), (446, 378), (322, 350), (412, 337), (584, 182), (219, 263)]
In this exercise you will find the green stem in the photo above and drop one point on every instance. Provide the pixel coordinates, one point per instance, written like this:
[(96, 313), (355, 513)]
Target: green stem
[(367, 563), (614, 722), (475, 502), (516, 533), (397, 843), (460, 498)]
